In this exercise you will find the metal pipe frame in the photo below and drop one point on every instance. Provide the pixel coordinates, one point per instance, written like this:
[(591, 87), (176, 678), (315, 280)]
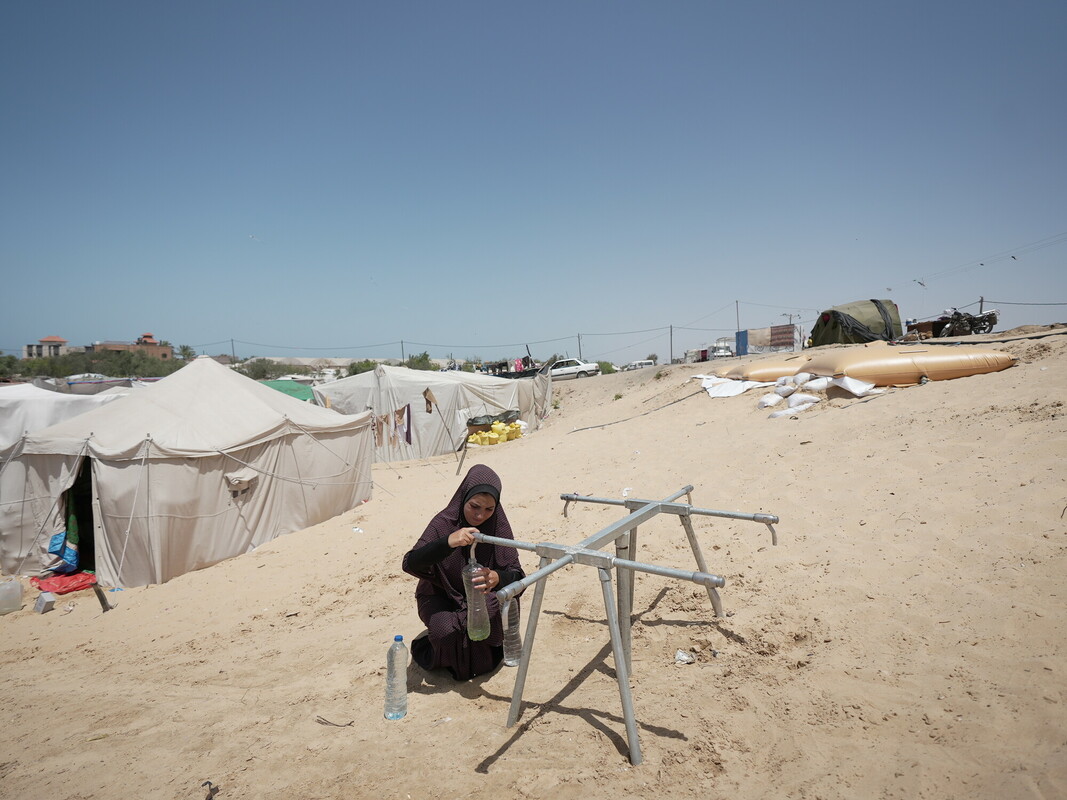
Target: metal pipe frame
[(618, 610)]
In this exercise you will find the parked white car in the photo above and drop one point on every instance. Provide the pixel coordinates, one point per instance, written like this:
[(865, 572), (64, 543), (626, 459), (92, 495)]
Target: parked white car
[(639, 365), (573, 368)]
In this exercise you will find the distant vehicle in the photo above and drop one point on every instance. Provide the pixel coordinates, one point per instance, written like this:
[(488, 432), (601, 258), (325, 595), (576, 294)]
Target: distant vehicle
[(954, 322), (573, 368), (639, 364)]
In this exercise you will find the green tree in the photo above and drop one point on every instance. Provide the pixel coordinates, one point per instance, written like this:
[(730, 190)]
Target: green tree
[(359, 367), (186, 353), (421, 361), (606, 367), (652, 357), (9, 365), (263, 369)]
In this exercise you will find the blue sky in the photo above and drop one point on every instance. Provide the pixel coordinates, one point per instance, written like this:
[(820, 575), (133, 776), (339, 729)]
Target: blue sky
[(334, 178)]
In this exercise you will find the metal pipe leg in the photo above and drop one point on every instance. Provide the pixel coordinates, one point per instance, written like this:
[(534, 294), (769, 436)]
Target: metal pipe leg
[(625, 604), (621, 672), (524, 662), (633, 555), (713, 593)]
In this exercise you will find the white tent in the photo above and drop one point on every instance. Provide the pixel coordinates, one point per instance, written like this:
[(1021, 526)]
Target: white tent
[(407, 425), (25, 408), (202, 466)]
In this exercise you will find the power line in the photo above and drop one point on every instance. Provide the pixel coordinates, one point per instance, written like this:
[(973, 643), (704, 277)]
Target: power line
[(1004, 255)]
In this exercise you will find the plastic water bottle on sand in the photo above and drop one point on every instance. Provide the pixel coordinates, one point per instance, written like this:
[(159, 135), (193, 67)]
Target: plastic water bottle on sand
[(509, 615), (396, 680)]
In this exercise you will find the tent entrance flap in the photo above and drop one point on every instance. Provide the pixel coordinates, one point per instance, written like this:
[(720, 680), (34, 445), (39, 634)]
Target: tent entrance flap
[(77, 553)]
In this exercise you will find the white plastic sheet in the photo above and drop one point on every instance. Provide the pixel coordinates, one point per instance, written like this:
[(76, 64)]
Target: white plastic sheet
[(726, 387)]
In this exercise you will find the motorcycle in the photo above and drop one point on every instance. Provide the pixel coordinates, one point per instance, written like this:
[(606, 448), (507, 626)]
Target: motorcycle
[(959, 323)]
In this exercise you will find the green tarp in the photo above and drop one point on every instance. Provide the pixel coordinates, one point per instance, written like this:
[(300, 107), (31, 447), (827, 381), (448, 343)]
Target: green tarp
[(292, 388)]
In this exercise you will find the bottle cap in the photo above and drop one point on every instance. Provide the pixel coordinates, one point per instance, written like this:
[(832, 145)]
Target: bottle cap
[(398, 638)]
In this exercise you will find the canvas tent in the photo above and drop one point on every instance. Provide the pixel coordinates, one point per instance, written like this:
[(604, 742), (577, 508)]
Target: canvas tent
[(407, 425), (856, 323), (25, 408), (204, 465)]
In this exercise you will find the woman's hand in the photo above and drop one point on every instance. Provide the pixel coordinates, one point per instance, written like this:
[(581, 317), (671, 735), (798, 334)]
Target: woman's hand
[(486, 581), (462, 537)]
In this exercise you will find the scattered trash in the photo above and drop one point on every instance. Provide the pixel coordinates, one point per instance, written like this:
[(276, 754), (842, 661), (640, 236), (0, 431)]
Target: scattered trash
[(357, 530), (443, 719), (324, 721), (46, 601), (682, 657), (626, 491)]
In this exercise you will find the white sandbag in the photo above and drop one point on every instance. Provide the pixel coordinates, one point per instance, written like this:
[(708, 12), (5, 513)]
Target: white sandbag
[(801, 378), (817, 385), (800, 399), (769, 400), (785, 380), (784, 391), (855, 386)]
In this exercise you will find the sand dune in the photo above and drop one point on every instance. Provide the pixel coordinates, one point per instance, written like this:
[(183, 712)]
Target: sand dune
[(905, 638)]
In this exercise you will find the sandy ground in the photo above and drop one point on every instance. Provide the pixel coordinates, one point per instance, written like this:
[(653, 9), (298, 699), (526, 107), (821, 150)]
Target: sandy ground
[(905, 639)]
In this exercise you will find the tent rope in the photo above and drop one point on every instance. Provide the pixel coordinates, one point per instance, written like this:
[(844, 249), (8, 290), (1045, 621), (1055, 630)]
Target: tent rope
[(311, 436), (133, 507), (300, 482), (55, 503), (280, 477), (15, 453)]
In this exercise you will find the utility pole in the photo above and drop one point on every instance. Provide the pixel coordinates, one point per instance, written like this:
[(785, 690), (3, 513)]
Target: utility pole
[(402, 358), (981, 303), (737, 311), (671, 345), (580, 348)]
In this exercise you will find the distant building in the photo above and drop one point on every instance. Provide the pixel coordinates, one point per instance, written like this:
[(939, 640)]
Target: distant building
[(146, 343), (49, 346)]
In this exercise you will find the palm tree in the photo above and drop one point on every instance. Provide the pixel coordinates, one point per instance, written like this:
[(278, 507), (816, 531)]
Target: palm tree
[(186, 353)]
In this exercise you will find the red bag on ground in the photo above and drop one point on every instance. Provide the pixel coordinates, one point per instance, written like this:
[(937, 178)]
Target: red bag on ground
[(64, 584)]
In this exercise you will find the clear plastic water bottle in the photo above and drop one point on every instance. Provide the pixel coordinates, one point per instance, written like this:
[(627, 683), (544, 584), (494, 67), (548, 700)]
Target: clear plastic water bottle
[(396, 679), (477, 612), (509, 615)]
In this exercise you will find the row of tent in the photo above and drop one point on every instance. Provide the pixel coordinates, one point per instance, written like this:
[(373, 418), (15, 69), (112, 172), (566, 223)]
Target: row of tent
[(207, 464)]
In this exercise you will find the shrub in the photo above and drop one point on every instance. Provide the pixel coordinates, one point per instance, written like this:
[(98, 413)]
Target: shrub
[(359, 367), (421, 361)]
